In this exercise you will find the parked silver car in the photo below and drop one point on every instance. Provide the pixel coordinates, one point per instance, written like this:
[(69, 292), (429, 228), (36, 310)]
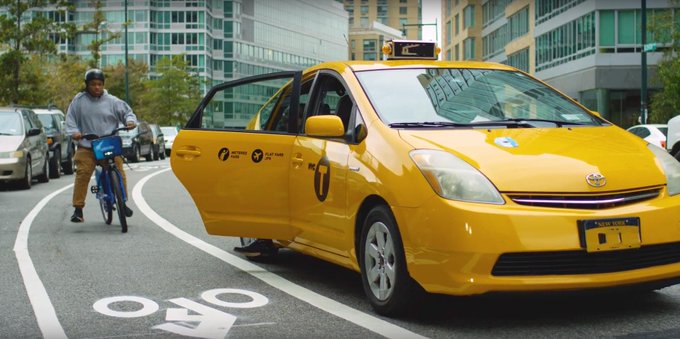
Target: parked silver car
[(24, 153), (62, 147)]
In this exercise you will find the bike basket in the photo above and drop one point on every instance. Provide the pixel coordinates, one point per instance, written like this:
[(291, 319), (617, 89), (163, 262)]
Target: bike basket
[(107, 148)]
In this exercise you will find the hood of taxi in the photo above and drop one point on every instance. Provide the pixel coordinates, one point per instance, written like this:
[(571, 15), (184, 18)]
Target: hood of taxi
[(9, 143), (554, 160)]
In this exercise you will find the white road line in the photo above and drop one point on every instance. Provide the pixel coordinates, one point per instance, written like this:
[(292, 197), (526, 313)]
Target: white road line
[(40, 301), (331, 306)]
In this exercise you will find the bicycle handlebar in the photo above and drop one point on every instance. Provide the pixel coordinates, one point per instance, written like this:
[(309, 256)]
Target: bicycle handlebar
[(94, 136)]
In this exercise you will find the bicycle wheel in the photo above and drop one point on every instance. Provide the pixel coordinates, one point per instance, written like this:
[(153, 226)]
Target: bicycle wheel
[(107, 210), (116, 187)]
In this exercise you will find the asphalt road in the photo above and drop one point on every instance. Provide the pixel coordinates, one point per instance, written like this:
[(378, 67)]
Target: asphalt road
[(167, 278)]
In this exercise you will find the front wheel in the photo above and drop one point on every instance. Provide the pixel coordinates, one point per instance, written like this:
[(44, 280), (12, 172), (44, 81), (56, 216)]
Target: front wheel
[(117, 188), (387, 284), (107, 210)]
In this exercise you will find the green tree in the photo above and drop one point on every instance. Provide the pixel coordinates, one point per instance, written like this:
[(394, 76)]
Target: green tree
[(171, 97), (665, 30), (24, 38), (137, 74), (67, 75), (98, 27)]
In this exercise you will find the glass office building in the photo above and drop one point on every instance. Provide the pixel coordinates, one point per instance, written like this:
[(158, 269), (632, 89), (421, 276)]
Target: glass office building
[(588, 49), (221, 40)]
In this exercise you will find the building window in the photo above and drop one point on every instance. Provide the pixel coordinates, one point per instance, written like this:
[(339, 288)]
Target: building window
[(571, 41), (456, 52), (370, 49), (518, 23), (469, 49), (456, 24), (607, 28), (403, 10), (520, 60), (364, 10), (448, 32), (469, 16), (364, 22)]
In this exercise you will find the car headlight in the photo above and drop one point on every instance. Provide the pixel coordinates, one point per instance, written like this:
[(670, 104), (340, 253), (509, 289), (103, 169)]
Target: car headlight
[(670, 166), (13, 154), (454, 179)]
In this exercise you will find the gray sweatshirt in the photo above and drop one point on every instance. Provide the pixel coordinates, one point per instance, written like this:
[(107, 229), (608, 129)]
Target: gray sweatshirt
[(91, 115)]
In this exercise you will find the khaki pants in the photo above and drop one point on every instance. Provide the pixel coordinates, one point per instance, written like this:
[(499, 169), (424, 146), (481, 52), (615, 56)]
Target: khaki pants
[(85, 164)]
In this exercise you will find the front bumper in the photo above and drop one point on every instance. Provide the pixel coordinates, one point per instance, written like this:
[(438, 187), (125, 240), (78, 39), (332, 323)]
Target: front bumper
[(453, 247), (12, 169)]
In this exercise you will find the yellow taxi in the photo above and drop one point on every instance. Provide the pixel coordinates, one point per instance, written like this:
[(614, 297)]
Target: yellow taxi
[(457, 178)]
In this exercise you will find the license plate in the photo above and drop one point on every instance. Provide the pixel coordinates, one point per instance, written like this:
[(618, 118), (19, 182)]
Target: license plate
[(609, 234)]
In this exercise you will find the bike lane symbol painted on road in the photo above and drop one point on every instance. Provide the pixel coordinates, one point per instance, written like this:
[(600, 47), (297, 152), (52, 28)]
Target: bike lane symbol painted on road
[(204, 322), (212, 323)]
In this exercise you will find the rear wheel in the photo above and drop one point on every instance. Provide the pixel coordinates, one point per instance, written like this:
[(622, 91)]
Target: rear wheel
[(161, 152), (387, 284), (116, 188), (55, 164)]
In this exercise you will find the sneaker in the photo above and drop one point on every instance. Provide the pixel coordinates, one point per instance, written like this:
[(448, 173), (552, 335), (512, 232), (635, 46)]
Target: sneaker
[(260, 247), (128, 211), (77, 215)]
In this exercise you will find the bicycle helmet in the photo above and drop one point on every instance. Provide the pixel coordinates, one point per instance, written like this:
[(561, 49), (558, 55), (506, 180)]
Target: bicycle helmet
[(92, 74)]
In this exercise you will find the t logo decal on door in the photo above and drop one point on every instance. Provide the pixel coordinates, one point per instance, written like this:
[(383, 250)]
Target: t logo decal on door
[(322, 178)]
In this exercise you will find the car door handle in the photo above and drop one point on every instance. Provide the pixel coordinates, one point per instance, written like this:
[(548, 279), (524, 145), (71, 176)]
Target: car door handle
[(188, 153), (297, 160)]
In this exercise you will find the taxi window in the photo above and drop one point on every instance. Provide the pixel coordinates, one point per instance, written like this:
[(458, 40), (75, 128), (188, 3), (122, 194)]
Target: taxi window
[(465, 96), (333, 98), (276, 113)]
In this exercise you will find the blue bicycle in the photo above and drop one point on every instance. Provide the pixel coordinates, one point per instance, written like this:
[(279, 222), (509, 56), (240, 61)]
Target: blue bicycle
[(110, 189)]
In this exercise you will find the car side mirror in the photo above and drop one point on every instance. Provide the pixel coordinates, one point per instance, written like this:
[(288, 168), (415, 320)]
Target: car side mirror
[(360, 133), (328, 126), (33, 132)]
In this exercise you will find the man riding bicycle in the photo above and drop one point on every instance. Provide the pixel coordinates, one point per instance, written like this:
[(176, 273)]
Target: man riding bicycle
[(94, 111)]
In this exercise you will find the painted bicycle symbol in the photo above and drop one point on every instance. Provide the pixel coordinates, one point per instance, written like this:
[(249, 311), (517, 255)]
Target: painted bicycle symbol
[(209, 322)]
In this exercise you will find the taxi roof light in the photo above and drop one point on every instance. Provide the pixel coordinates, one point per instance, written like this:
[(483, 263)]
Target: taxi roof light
[(411, 50)]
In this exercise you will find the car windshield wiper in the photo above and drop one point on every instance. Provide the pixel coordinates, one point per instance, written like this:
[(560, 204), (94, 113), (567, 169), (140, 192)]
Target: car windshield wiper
[(558, 123), (428, 124)]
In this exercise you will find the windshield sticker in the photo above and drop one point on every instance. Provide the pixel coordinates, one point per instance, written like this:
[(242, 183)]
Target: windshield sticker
[(223, 154), (322, 177), (571, 117), (506, 142)]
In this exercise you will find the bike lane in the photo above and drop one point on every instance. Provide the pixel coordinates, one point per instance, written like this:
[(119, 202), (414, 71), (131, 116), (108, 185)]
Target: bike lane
[(147, 283)]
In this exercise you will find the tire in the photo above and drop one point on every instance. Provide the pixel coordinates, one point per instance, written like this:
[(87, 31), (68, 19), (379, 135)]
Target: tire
[(45, 176), (107, 210), (161, 152), (155, 153), (136, 155), (55, 165), (120, 202), (69, 166), (387, 284), (25, 183), (149, 156), (677, 155)]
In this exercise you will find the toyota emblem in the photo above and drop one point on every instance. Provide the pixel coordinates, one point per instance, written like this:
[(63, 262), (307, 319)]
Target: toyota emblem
[(596, 180)]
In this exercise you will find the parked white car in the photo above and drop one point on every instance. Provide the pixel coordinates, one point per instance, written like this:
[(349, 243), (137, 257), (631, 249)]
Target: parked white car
[(654, 134), (673, 144), (169, 132)]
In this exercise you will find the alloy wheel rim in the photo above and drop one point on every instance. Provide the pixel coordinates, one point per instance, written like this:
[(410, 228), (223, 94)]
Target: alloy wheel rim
[(380, 261)]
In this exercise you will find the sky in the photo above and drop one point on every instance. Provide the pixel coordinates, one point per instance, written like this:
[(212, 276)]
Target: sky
[(432, 14)]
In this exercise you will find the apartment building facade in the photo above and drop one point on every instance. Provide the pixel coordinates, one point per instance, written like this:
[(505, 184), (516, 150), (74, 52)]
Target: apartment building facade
[(221, 40), (372, 22), (588, 49)]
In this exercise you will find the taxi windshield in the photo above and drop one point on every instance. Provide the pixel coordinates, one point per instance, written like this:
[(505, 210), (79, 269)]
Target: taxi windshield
[(450, 97)]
